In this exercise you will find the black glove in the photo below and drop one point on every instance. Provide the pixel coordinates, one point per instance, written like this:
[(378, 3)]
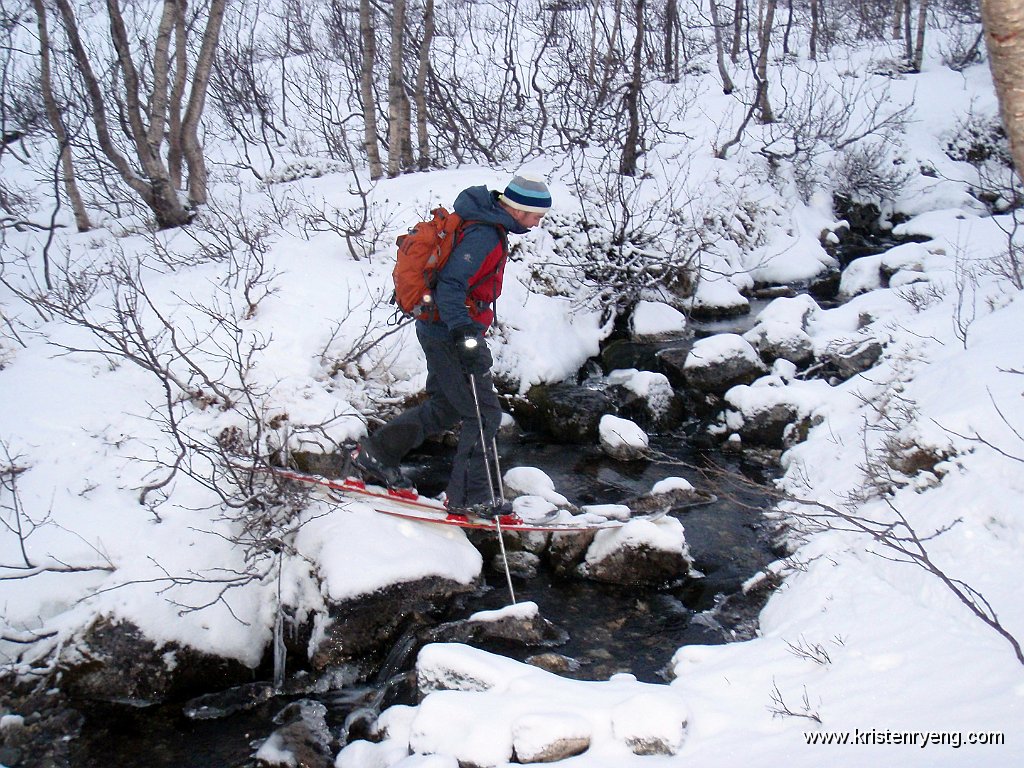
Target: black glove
[(471, 349)]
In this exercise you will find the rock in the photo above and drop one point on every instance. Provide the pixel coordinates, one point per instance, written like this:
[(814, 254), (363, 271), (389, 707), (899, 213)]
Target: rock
[(625, 354), (641, 552), (565, 412), (774, 341), (646, 397), (766, 424), (720, 362), (567, 550), (368, 623), (304, 740), (114, 662), (670, 493), (653, 320), (671, 361), (520, 624), (651, 723), (846, 360), (521, 564), (554, 662), (622, 439), (548, 738)]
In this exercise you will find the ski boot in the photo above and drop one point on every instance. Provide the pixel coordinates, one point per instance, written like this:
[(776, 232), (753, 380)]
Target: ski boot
[(367, 464)]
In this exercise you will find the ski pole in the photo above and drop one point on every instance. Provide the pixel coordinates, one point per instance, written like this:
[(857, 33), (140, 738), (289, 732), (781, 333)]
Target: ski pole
[(490, 484), (483, 440)]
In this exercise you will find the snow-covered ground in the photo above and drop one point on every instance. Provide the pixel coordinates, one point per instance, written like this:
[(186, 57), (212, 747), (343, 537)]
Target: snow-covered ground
[(855, 644)]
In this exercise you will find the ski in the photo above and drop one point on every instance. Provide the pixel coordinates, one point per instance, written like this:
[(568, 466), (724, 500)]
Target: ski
[(410, 505)]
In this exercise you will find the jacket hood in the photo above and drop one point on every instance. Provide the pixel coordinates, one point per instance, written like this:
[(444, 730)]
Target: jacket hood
[(481, 204)]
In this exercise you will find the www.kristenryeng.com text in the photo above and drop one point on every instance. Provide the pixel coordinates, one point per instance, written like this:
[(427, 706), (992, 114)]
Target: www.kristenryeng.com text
[(920, 739)]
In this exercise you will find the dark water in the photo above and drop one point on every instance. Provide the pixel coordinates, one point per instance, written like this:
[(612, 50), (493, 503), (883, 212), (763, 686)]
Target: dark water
[(611, 629)]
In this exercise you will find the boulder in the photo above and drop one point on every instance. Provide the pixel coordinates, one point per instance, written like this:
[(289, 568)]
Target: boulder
[(845, 360), (780, 341), (565, 412), (368, 623), (622, 439), (549, 737), (115, 662), (720, 362), (303, 740), (651, 723), (520, 624), (646, 397), (642, 552)]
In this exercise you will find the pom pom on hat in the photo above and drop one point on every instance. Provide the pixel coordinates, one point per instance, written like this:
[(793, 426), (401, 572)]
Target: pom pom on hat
[(527, 192)]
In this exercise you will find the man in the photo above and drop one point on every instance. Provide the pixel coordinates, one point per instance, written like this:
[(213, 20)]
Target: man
[(457, 356)]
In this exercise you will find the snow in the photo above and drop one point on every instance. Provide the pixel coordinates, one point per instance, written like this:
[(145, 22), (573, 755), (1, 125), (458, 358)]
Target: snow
[(720, 348), (854, 641), (615, 432), (665, 534), (656, 319), (533, 482)]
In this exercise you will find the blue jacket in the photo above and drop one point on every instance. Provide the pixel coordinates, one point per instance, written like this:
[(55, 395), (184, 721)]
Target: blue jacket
[(478, 260)]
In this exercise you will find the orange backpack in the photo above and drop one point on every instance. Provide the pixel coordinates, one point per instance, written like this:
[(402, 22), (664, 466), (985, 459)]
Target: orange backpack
[(421, 255)]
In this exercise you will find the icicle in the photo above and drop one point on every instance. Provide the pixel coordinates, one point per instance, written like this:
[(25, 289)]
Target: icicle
[(279, 647)]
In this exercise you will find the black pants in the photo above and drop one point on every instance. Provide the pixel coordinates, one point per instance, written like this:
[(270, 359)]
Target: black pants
[(449, 402)]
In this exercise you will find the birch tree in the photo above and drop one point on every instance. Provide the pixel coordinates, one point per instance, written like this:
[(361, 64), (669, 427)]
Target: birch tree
[(398, 116), (371, 139), (56, 120), (133, 127), (1004, 36), (423, 69)]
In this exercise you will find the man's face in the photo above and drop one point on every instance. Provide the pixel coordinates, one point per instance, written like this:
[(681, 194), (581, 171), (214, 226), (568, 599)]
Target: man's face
[(528, 219)]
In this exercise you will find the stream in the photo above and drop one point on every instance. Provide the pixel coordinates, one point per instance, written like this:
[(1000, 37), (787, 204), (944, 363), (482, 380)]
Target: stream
[(611, 629)]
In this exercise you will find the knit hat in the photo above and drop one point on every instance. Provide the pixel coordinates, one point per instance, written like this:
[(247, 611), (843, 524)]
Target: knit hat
[(527, 192)]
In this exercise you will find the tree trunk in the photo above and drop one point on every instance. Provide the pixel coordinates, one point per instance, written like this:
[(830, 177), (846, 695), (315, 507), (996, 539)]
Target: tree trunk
[(814, 30), (727, 86), (897, 18), (922, 18), (764, 106), (1004, 36), (396, 86), (57, 123), (192, 149), (175, 155), (371, 138), (737, 29), (672, 40), (907, 45), (631, 148), (421, 85), (789, 28)]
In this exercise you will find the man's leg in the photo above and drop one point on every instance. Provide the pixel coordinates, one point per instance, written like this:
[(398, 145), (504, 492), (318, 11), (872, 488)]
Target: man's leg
[(391, 442)]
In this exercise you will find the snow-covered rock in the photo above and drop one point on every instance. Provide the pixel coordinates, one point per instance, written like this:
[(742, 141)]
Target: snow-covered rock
[(764, 411), (719, 362), (304, 740), (655, 320), (530, 481), (775, 340), (651, 724), (640, 552), (622, 439), (549, 737), (645, 397)]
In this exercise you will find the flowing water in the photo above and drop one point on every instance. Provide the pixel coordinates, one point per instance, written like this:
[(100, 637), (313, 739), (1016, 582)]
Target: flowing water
[(611, 629)]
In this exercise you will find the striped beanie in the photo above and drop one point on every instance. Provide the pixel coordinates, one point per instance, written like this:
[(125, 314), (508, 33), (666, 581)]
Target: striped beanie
[(527, 192)]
